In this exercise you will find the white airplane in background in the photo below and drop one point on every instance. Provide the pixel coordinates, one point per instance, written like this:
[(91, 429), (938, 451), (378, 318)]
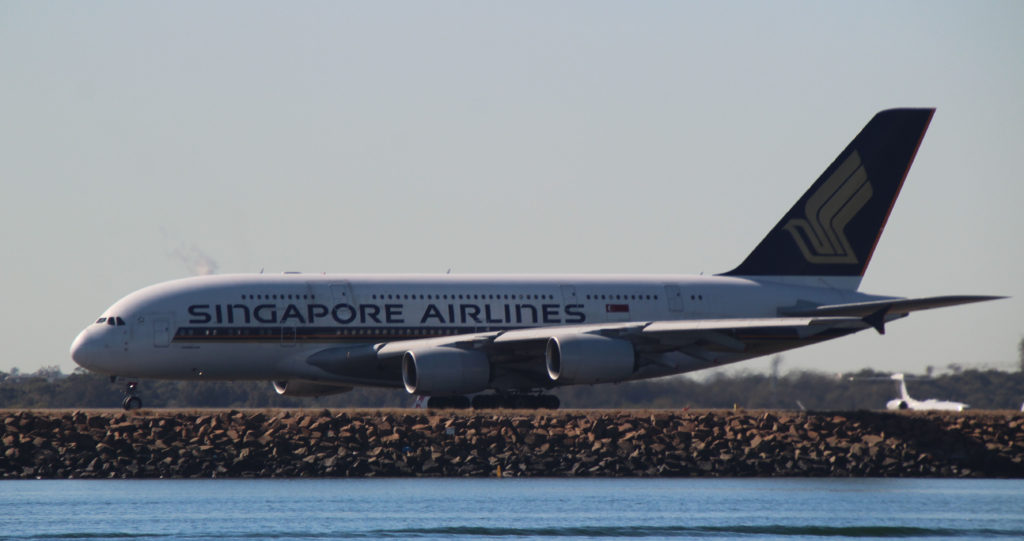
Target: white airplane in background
[(904, 402), (448, 336)]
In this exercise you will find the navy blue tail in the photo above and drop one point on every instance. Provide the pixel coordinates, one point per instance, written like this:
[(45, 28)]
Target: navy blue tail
[(834, 228)]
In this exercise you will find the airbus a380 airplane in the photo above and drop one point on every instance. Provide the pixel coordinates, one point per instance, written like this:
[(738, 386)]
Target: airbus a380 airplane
[(451, 336)]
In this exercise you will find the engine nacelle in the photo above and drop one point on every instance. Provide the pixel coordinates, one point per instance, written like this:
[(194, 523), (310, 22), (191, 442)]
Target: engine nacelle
[(589, 358), (445, 370), (303, 388)]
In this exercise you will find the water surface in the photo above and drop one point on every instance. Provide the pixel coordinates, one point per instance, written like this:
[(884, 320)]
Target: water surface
[(512, 508)]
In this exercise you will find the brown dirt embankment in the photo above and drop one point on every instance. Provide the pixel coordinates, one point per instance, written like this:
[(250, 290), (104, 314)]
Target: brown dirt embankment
[(595, 443)]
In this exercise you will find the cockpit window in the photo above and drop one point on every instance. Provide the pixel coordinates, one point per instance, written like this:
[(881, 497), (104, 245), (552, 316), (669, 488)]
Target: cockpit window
[(120, 322), (110, 321), (101, 320)]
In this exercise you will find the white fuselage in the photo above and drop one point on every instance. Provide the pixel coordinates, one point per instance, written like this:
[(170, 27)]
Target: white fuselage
[(930, 404), (905, 402), (264, 327)]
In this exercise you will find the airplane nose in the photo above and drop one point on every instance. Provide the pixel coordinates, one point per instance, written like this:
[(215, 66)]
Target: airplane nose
[(87, 350)]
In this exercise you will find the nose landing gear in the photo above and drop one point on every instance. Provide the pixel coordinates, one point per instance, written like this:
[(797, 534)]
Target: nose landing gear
[(131, 400)]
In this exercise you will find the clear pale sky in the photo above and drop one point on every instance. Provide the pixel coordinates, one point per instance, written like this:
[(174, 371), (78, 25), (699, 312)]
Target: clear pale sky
[(487, 137)]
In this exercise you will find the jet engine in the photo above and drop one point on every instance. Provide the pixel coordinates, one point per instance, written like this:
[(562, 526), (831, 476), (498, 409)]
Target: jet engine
[(302, 388), (589, 358), (445, 370)]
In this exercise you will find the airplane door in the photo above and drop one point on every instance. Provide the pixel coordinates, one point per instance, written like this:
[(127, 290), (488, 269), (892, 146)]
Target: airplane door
[(569, 294), (675, 298), (342, 293), (161, 331)]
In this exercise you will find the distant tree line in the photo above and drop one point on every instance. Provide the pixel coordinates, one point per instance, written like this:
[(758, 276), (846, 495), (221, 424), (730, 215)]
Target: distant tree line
[(981, 389)]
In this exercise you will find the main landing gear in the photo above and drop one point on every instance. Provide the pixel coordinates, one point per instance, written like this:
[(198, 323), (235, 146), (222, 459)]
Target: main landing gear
[(448, 402), (495, 401)]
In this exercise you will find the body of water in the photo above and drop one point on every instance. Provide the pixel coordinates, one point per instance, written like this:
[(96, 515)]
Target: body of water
[(512, 508)]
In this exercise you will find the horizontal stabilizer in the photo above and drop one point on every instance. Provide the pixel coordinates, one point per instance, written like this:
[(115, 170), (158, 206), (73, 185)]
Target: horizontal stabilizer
[(892, 307)]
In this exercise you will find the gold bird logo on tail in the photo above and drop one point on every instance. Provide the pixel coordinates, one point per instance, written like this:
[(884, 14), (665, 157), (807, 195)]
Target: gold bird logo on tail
[(821, 235)]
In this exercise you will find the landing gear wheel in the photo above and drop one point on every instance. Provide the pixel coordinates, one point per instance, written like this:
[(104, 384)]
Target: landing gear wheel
[(485, 401), (515, 401), (131, 403), (448, 402)]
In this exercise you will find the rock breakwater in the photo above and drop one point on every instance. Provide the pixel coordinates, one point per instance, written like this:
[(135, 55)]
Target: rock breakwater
[(349, 443)]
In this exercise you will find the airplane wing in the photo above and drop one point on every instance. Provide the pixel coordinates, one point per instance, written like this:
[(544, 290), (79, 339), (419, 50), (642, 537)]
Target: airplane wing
[(736, 335), (646, 336), (544, 357), (591, 353)]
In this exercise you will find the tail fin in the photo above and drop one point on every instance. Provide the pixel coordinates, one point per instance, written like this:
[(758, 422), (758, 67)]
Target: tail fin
[(902, 386), (830, 233)]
